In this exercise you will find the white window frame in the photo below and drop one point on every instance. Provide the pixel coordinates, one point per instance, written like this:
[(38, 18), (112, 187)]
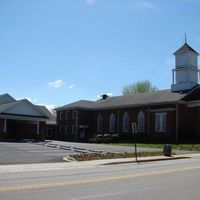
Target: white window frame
[(74, 114), (160, 122), (61, 115), (99, 123), (141, 122), (125, 120), (67, 115), (112, 122)]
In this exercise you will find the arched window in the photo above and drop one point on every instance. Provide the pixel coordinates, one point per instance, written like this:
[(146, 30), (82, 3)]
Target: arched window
[(141, 121), (125, 127), (99, 123), (112, 123)]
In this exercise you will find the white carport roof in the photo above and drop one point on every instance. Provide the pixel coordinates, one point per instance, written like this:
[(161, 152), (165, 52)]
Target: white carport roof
[(22, 110)]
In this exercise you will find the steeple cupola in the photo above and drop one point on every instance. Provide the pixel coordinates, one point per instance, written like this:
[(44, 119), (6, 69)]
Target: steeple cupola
[(186, 74)]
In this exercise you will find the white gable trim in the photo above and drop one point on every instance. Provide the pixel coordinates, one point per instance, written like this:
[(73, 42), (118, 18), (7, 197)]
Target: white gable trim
[(17, 117), (24, 108)]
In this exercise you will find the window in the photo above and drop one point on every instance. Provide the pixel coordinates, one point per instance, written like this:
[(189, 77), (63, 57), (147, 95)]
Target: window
[(125, 127), (61, 115), (99, 123), (141, 121), (73, 129), (74, 114), (112, 123), (160, 122), (67, 129), (67, 115)]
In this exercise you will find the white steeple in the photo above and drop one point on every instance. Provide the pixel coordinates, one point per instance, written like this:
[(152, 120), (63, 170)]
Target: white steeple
[(186, 73)]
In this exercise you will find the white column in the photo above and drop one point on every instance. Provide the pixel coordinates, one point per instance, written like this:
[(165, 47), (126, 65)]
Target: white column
[(173, 76), (38, 128), (199, 76), (5, 126)]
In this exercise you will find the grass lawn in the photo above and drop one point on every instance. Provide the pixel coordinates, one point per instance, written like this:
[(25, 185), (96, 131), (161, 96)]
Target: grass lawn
[(190, 147)]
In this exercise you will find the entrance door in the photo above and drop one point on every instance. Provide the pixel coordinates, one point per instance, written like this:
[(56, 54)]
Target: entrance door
[(82, 134)]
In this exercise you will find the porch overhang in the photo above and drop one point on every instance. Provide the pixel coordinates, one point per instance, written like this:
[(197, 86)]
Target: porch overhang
[(23, 117)]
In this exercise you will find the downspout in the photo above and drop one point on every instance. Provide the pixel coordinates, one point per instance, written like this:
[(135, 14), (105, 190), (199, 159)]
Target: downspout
[(177, 118), (148, 119), (77, 125), (118, 121)]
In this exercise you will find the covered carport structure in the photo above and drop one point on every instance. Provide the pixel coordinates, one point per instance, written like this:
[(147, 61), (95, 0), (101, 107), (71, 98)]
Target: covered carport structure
[(22, 120)]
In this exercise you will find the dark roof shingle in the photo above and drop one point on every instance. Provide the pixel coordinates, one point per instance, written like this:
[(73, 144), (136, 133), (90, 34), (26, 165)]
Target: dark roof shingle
[(6, 98), (185, 48), (140, 99)]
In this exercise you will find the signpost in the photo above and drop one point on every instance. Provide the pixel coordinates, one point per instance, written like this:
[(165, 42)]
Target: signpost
[(134, 130)]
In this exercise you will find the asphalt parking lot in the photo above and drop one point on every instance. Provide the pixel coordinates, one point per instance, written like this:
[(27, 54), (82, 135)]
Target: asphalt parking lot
[(25, 153), (55, 151), (50, 151)]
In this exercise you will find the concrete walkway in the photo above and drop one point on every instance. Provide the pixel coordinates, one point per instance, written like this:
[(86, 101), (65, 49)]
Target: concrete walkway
[(84, 164)]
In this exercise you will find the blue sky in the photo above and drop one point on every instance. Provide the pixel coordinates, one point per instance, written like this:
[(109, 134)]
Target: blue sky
[(58, 51)]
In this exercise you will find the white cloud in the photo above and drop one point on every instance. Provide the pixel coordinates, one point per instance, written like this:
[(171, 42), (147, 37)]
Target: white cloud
[(89, 2), (71, 86), (56, 84), (140, 5)]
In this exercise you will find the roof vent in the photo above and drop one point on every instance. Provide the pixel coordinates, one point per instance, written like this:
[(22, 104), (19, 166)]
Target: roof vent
[(104, 96)]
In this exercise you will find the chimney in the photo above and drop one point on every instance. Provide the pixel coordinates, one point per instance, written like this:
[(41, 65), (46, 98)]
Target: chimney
[(104, 96)]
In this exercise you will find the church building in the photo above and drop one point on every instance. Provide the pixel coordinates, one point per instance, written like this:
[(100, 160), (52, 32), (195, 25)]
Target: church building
[(165, 115)]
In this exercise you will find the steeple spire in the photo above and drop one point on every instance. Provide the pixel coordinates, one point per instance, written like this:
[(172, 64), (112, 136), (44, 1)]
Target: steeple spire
[(186, 72), (185, 38)]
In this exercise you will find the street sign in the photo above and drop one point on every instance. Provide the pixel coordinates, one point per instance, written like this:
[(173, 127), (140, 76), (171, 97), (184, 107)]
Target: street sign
[(134, 130)]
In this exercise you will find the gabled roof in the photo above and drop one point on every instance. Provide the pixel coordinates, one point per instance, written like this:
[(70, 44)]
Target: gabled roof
[(6, 98), (185, 48), (22, 107), (77, 105), (194, 94), (52, 118), (140, 99), (6, 106)]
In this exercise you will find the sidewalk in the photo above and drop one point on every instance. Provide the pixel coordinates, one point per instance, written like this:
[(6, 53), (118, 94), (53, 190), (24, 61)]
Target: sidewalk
[(84, 164)]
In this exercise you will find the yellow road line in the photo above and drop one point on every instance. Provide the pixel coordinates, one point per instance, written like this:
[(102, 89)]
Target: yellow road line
[(95, 180)]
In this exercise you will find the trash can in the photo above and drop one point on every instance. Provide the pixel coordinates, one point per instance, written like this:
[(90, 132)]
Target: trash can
[(167, 150)]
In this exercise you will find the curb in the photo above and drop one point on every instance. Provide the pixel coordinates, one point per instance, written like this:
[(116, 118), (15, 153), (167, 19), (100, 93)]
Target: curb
[(147, 160)]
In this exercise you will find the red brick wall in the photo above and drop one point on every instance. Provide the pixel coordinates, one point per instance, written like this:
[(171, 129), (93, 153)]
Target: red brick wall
[(189, 122)]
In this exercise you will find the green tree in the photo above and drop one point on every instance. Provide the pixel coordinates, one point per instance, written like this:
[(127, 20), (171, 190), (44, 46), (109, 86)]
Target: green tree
[(138, 87)]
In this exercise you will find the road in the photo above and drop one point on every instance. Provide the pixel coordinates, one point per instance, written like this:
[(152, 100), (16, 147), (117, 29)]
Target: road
[(172, 179)]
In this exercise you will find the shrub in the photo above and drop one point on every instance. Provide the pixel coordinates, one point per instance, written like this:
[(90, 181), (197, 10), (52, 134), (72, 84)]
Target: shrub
[(107, 138), (115, 137), (99, 138)]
